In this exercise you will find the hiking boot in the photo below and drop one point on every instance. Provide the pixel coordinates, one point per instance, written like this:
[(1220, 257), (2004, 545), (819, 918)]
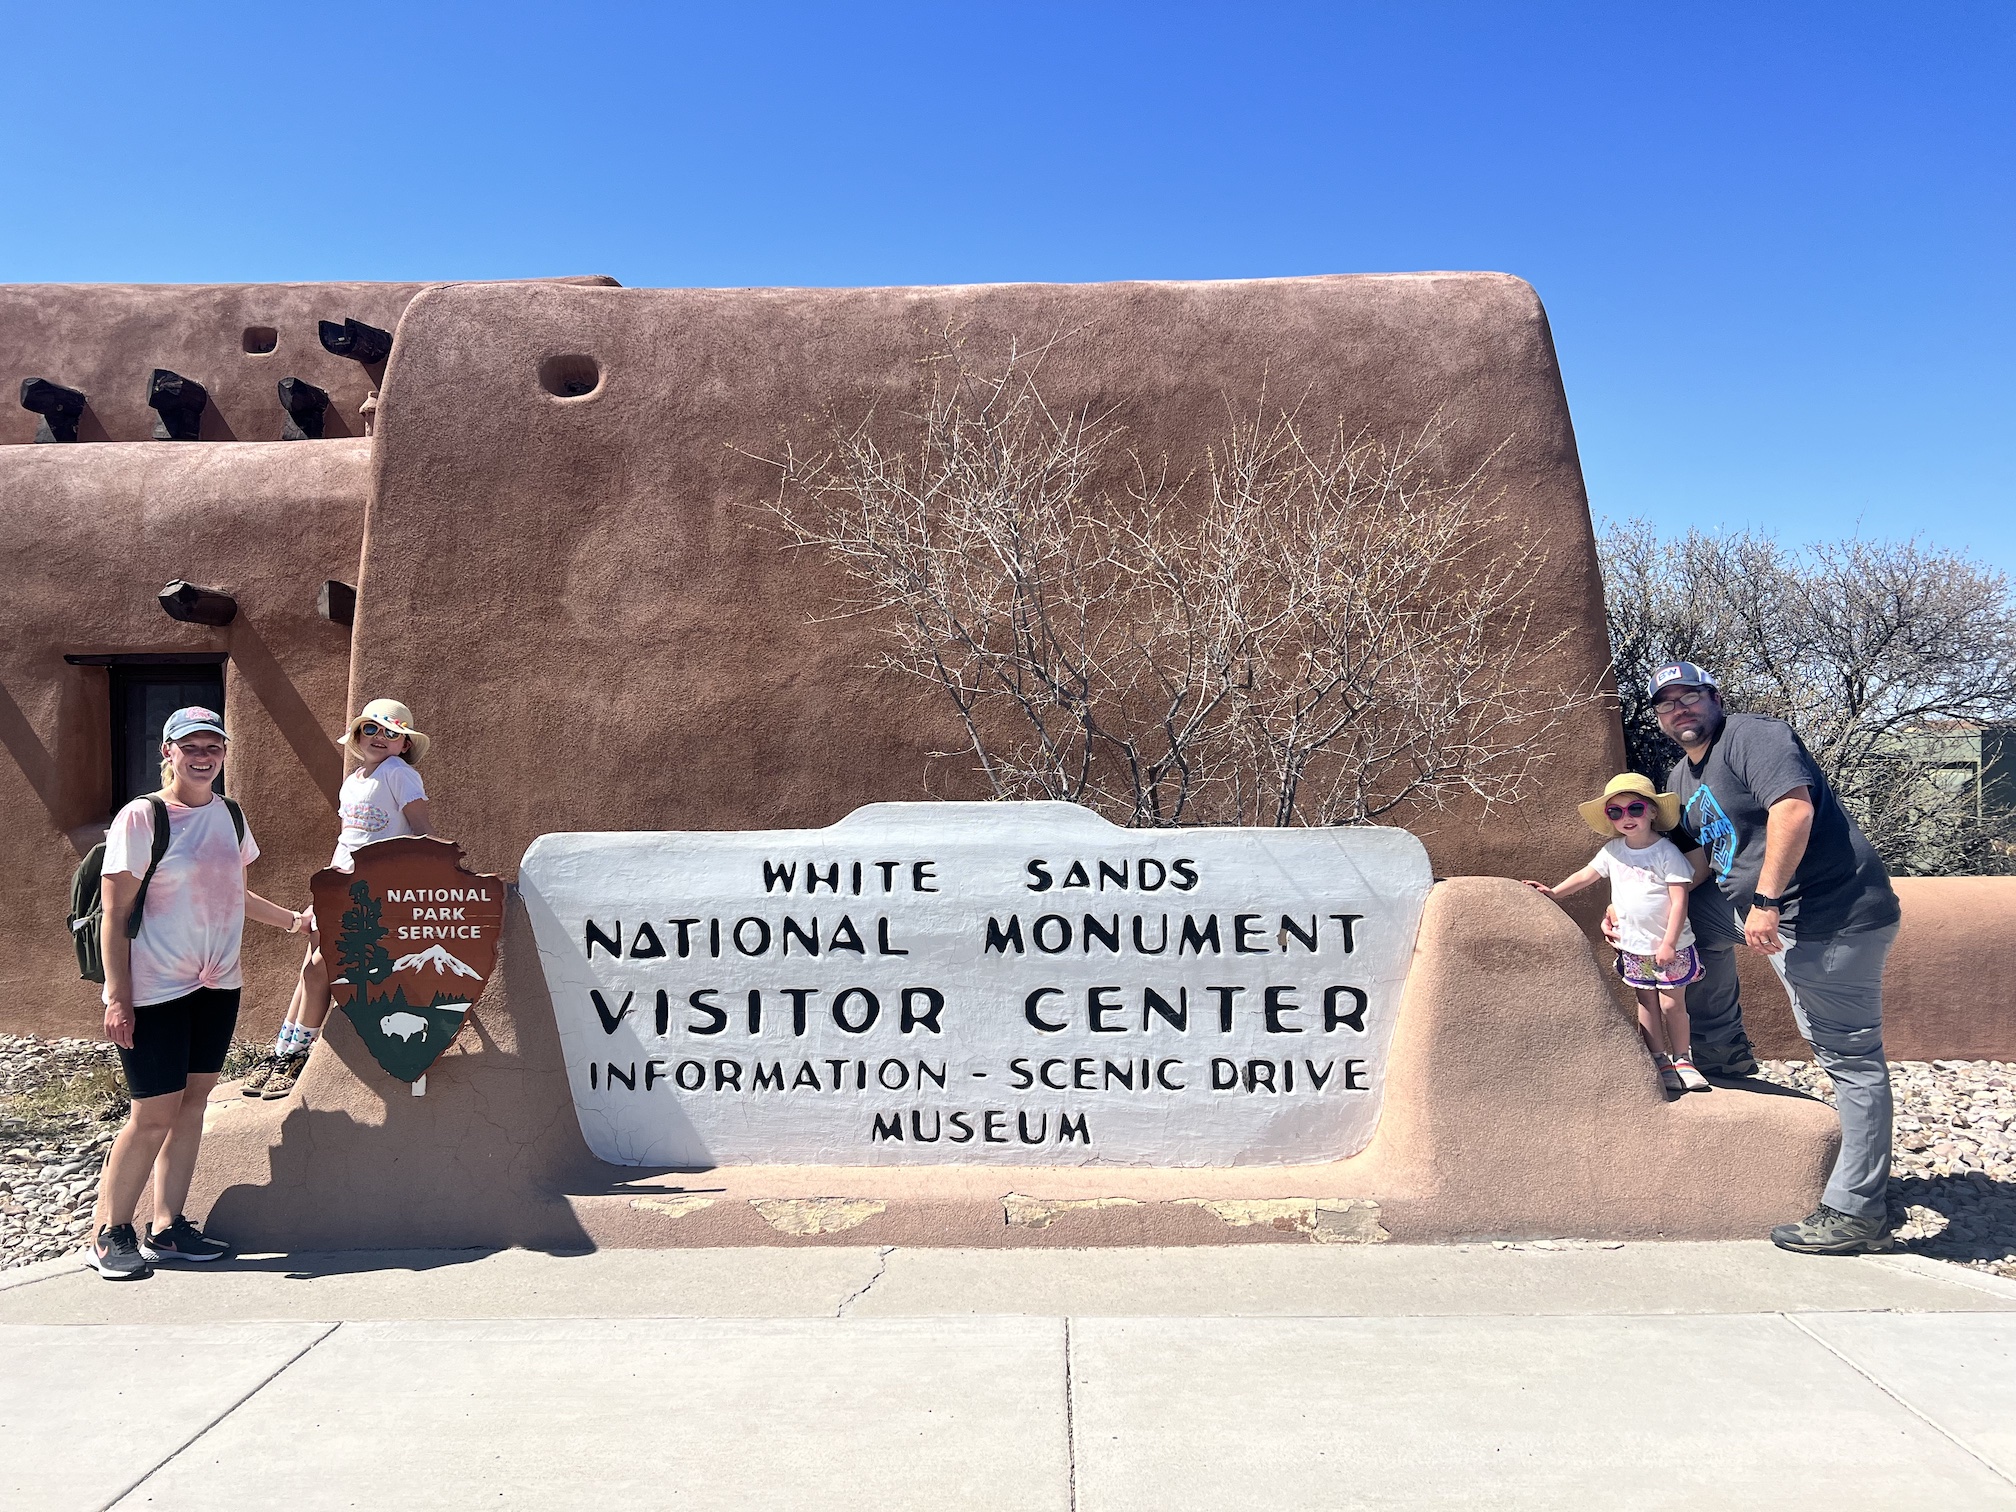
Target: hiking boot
[(182, 1240), (288, 1072), (1731, 1060), (1826, 1231), (261, 1074), (115, 1254)]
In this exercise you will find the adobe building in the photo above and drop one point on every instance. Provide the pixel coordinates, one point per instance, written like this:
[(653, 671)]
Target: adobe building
[(534, 519)]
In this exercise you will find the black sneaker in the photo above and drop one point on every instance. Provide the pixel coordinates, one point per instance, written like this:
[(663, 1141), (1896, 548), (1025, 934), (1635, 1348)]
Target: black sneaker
[(1731, 1060), (1827, 1231), (115, 1254), (182, 1240)]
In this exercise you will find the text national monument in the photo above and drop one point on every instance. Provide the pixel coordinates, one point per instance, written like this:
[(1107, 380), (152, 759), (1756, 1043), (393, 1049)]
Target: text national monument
[(1014, 983)]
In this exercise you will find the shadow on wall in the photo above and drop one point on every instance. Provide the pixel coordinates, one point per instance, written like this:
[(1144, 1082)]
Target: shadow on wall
[(33, 757), (485, 1158), (253, 660)]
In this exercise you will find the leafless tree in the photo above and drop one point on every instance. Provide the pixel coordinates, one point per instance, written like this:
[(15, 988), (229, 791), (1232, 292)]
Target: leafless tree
[(1297, 629), (1887, 657)]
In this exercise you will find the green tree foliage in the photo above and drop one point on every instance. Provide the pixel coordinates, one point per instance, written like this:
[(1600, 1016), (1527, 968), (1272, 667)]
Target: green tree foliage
[(360, 946)]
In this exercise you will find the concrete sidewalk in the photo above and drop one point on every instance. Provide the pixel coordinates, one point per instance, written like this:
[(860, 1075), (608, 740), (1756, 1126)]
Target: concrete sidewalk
[(1726, 1375)]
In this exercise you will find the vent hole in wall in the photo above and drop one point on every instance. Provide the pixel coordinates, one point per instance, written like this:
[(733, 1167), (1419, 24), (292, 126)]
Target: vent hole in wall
[(572, 376), (259, 340)]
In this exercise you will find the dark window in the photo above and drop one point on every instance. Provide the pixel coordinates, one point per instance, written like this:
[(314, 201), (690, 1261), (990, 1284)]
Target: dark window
[(142, 699)]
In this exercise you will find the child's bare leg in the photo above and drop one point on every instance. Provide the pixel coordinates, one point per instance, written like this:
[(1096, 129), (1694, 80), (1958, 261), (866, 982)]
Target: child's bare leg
[(1652, 1020), (314, 986), (1673, 1010), (293, 1013)]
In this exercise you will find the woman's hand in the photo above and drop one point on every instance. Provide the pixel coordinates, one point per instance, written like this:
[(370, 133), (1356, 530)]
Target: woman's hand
[(301, 922), (119, 1019)]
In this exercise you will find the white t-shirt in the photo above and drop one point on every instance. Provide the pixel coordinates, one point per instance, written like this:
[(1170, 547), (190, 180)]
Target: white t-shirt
[(195, 915), (372, 806), (1638, 880)]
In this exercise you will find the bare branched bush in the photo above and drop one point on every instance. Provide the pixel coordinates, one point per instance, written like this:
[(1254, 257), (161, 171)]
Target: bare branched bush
[(1300, 629), (1887, 657)]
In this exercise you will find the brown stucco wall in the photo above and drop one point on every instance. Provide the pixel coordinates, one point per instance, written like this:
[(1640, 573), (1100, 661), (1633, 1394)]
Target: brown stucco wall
[(105, 339), (93, 533), (1949, 987), (580, 597)]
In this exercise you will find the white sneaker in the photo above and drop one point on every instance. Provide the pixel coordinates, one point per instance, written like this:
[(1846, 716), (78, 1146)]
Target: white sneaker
[(1669, 1078), (1690, 1078)]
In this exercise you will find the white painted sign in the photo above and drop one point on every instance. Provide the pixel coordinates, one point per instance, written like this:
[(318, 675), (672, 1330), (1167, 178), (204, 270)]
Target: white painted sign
[(1008, 983)]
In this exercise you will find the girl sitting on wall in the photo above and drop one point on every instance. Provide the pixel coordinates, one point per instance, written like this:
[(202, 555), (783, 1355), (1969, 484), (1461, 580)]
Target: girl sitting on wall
[(1649, 883), (382, 799)]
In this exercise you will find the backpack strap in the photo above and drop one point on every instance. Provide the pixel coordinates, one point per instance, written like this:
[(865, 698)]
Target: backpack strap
[(237, 817), (154, 863)]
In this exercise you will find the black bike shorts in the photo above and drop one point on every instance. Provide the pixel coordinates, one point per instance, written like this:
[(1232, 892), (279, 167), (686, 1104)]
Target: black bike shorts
[(173, 1039)]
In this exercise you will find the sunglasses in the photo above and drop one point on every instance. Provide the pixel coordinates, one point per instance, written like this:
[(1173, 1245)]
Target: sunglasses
[(1683, 700), (367, 729), (1618, 811)]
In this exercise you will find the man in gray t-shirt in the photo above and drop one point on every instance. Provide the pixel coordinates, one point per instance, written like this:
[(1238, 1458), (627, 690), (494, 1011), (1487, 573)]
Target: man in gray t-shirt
[(1801, 883)]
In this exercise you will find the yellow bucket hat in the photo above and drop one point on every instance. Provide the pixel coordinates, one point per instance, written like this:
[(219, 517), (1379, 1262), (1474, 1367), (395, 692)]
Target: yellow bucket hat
[(391, 715), (1665, 806)]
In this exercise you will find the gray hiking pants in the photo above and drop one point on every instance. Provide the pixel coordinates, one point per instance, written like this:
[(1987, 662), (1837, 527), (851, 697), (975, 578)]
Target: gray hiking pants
[(1836, 986)]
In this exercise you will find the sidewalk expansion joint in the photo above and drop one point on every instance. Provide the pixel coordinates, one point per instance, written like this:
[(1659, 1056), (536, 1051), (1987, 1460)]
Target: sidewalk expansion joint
[(1070, 1429), (182, 1448), (881, 1265), (1924, 1417)]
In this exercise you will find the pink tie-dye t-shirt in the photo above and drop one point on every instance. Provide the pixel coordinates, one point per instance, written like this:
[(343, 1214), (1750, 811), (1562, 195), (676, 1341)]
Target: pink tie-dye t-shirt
[(195, 914)]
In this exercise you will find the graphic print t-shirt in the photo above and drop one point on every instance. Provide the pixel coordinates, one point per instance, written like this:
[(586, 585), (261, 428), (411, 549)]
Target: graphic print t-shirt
[(372, 806), (195, 915), (1638, 882), (1841, 884)]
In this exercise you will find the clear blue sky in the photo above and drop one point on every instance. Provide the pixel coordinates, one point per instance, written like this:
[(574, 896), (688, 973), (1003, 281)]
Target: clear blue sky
[(1775, 239)]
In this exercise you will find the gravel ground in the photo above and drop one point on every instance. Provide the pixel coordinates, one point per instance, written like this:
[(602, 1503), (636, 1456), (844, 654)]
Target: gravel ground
[(61, 1101), (1953, 1166), (1952, 1188)]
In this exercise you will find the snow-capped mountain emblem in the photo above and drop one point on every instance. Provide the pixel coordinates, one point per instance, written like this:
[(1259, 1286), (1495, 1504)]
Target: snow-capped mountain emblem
[(437, 957)]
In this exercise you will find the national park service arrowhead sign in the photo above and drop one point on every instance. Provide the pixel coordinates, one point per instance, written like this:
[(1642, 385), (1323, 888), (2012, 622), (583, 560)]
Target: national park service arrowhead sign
[(410, 938), (956, 983)]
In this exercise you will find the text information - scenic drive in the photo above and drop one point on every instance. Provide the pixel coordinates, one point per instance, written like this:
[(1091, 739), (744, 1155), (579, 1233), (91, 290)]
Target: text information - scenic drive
[(948, 983)]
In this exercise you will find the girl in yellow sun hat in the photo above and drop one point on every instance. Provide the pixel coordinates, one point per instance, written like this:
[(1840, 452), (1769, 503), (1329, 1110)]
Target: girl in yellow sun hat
[(1649, 883), (383, 798)]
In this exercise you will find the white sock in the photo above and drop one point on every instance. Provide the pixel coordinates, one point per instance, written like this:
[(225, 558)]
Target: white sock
[(284, 1045), (304, 1039)]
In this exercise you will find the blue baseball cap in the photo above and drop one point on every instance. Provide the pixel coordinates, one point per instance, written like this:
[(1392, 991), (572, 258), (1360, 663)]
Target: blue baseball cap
[(186, 722), (1682, 673)]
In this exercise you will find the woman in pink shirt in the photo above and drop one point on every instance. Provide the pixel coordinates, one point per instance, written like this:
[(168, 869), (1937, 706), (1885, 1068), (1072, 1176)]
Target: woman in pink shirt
[(171, 991)]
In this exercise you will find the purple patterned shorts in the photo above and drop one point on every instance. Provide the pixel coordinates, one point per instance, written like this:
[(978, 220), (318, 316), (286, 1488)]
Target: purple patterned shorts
[(1638, 970)]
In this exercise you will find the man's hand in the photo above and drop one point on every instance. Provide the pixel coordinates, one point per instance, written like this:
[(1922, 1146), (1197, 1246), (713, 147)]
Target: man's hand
[(119, 1021), (1760, 931)]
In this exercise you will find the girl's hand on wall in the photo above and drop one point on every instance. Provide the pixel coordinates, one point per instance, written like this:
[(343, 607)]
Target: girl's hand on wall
[(1541, 888)]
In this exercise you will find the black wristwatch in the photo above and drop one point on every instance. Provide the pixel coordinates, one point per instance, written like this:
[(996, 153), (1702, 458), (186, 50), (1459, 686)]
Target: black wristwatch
[(1776, 905)]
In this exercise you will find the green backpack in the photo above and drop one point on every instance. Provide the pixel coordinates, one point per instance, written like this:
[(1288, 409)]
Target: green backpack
[(87, 896)]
